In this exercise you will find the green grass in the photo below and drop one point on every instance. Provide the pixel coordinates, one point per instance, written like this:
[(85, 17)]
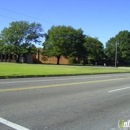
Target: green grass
[(14, 69)]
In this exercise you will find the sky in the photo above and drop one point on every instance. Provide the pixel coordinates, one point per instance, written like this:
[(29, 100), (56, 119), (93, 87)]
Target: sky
[(97, 18)]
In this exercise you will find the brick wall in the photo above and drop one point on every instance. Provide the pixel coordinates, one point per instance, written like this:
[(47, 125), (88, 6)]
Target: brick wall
[(51, 60)]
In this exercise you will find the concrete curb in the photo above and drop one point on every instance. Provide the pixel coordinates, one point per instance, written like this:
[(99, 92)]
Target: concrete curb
[(36, 76)]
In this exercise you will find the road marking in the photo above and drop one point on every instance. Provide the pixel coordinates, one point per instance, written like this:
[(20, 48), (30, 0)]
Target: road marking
[(12, 125), (59, 85), (29, 81), (115, 90)]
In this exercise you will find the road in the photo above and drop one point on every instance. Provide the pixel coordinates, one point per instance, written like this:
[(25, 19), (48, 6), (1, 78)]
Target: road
[(89, 102)]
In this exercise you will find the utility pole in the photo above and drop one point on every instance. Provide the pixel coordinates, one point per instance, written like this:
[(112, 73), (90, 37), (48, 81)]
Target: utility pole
[(116, 56)]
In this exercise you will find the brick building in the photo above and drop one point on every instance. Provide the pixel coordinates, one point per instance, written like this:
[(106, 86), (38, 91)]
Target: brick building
[(35, 58), (50, 60)]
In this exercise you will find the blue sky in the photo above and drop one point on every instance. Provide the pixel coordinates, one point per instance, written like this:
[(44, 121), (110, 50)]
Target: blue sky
[(97, 18)]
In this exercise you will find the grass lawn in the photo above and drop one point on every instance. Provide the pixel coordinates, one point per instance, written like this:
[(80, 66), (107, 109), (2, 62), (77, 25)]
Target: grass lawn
[(14, 69)]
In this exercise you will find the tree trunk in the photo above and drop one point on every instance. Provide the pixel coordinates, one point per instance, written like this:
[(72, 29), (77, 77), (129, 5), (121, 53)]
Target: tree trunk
[(5, 58), (13, 58), (84, 60), (18, 59), (58, 60), (1, 57), (9, 58)]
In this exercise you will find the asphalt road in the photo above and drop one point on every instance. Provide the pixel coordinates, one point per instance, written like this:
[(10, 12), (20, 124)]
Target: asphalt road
[(92, 102)]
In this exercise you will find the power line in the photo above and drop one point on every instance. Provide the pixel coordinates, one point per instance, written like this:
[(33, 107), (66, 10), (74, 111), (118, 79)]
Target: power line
[(27, 15), (14, 19), (7, 17), (38, 19)]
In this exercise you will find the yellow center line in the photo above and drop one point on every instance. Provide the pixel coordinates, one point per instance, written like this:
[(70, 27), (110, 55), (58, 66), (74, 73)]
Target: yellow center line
[(59, 85)]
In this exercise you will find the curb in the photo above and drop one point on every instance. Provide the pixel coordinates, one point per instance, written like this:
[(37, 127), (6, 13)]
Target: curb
[(37, 76)]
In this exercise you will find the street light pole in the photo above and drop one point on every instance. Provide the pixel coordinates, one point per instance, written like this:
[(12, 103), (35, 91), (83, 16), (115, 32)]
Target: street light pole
[(116, 56)]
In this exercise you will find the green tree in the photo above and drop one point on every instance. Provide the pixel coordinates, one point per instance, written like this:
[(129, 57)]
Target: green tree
[(63, 41), (94, 49), (1, 48), (1, 45), (110, 49), (78, 49), (20, 36), (122, 39)]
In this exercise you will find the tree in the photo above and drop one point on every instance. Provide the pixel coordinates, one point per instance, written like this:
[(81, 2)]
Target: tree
[(110, 49), (1, 48), (94, 49), (122, 39), (63, 41), (78, 49), (1, 45), (21, 35)]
